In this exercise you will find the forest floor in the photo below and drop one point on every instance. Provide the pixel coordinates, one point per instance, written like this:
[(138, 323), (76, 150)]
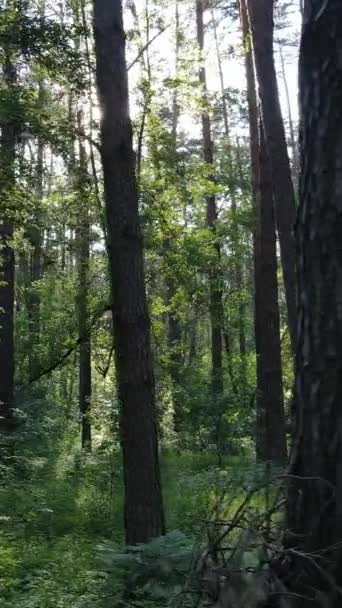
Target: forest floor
[(55, 517)]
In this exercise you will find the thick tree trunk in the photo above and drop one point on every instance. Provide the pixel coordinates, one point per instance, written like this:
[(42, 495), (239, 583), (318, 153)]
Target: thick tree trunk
[(83, 249), (270, 430), (7, 267), (144, 517), (315, 494), (261, 22), (215, 279)]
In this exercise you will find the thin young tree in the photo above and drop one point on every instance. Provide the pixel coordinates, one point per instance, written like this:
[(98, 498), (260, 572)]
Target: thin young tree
[(215, 278), (144, 516), (174, 326), (315, 495), (237, 282)]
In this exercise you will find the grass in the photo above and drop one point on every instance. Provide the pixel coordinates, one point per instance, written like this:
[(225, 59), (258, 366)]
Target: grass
[(52, 521)]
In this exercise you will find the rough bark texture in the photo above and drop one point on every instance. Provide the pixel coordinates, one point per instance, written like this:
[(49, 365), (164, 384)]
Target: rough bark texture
[(215, 280), (7, 268), (261, 22), (270, 430), (271, 435), (144, 516), (315, 494)]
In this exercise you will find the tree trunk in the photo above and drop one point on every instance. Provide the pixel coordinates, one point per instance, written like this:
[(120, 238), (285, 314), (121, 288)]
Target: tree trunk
[(36, 270), (315, 493), (271, 434), (144, 517), (238, 269), (215, 279), (83, 249), (174, 329), (270, 430), (7, 265), (261, 22), (293, 139)]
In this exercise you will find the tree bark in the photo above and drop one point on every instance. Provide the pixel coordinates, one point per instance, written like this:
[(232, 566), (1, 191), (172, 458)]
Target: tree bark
[(144, 516), (83, 250), (270, 422), (315, 493), (215, 279), (261, 22), (7, 264), (271, 433)]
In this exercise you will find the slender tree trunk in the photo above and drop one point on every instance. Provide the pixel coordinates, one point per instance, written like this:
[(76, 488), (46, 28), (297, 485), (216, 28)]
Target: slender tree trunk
[(36, 269), (261, 22), (174, 330), (144, 517), (83, 249), (301, 7), (215, 282), (270, 429), (271, 433), (315, 494), (36, 255), (293, 140), (238, 270), (7, 264)]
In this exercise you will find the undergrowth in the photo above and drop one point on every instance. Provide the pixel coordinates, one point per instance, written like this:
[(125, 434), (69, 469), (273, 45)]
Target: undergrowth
[(61, 531)]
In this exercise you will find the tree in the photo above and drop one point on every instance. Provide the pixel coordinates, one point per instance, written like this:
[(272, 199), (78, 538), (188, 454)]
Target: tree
[(261, 23), (237, 282), (174, 329), (144, 517), (270, 427), (83, 249), (314, 501), (7, 262), (215, 278), (271, 434)]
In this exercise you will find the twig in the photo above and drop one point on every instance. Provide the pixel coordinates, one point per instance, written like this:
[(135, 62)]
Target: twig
[(146, 46)]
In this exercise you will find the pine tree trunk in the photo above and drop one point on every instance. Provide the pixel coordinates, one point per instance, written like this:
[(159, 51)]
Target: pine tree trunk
[(7, 266), (83, 249), (215, 279), (315, 494), (261, 22), (271, 434), (270, 422), (144, 517)]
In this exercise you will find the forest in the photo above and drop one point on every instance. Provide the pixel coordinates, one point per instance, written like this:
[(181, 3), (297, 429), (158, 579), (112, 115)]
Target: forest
[(171, 304)]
